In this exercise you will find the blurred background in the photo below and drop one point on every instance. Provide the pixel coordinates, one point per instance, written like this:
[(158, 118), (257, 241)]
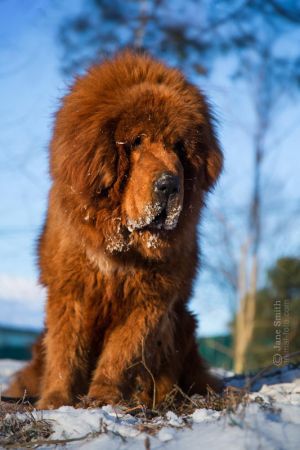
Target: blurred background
[(245, 55)]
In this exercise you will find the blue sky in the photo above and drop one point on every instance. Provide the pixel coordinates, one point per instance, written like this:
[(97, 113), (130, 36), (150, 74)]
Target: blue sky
[(31, 84)]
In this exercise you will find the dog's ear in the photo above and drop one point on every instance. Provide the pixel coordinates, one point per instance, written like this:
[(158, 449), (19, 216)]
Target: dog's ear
[(206, 155), (83, 154), (213, 155), (213, 163)]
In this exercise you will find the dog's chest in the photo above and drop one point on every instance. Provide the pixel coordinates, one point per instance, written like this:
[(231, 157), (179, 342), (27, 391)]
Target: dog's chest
[(100, 263), (105, 300)]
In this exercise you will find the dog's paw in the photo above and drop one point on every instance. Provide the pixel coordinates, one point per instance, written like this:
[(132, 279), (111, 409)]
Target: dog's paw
[(89, 402), (53, 400), (215, 384), (102, 394)]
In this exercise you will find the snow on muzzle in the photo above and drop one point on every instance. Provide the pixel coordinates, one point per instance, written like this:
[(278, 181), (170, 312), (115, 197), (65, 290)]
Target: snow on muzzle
[(164, 211), (157, 217)]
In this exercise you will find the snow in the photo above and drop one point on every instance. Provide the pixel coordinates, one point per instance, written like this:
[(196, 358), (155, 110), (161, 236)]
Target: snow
[(150, 212), (205, 415), (270, 419), (7, 368)]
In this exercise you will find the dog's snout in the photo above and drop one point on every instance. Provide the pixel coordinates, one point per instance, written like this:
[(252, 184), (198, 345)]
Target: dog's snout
[(166, 185)]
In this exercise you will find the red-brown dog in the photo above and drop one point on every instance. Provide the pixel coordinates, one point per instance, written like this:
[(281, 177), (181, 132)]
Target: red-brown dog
[(132, 156)]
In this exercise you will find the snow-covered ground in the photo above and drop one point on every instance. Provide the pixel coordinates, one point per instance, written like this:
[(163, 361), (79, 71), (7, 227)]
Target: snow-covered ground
[(270, 419)]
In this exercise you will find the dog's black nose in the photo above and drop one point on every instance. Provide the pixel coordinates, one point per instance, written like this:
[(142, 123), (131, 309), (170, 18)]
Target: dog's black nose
[(166, 185)]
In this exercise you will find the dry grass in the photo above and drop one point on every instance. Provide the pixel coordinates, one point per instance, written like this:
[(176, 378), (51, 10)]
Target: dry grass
[(183, 405), (30, 430), (20, 430), (21, 426)]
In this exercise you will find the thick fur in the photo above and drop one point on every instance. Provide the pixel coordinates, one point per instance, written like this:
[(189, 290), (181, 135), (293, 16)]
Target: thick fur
[(118, 286)]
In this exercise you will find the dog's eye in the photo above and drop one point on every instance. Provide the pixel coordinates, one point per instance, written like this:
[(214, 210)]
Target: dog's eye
[(179, 147), (137, 141)]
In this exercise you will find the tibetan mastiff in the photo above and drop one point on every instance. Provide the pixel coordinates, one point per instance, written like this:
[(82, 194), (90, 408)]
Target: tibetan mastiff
[(132, 158)]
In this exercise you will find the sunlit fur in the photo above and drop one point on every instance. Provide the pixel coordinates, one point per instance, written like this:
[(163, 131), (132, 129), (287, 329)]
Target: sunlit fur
[(117, 288)]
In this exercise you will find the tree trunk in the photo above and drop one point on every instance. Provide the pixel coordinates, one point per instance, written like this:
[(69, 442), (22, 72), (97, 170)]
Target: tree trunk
[(245, 317), (244, 326)]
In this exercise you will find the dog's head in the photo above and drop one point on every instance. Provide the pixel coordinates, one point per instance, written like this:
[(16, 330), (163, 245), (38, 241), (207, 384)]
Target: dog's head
[(134, 152)]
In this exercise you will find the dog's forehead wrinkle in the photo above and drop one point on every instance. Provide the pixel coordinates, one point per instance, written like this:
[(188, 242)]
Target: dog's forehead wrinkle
[(158, 126)]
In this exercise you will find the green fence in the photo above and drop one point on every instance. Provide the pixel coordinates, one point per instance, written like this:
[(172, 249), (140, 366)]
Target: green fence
[(15, 343), (217, 351)]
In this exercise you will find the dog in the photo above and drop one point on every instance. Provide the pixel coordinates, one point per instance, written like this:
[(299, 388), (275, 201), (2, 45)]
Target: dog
[(133, 155)]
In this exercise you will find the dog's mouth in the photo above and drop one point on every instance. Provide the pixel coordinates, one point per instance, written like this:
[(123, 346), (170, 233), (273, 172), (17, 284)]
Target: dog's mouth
[(159, 221), (167, 219), (158, 217)]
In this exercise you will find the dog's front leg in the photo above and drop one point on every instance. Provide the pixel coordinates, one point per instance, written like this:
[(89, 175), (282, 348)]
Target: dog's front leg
[(127, 344), (65, 363)]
